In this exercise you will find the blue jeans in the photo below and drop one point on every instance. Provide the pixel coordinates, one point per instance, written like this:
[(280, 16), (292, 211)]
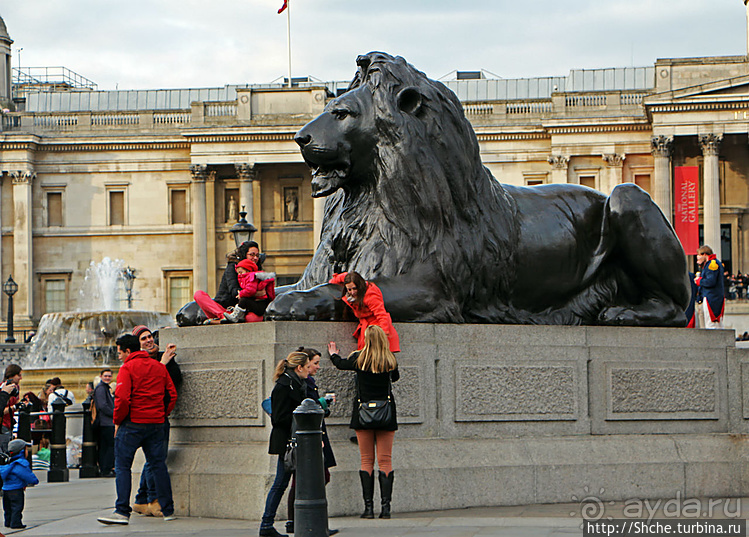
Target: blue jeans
[(13, 501), (275, 494), (147, 488), (150, 437)]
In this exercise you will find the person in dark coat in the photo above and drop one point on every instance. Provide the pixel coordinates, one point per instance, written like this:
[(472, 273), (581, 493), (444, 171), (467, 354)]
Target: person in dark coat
[(376, 369), (104, 424), (227, 296), (146, 499), (327, 448), (710, 282), (229, 286), (288, 393)]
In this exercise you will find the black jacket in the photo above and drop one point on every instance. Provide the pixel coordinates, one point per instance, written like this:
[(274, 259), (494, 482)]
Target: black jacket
[(370, 386), (229, 286), (104, 401), (287, 394), (327, 448), (173, 369)]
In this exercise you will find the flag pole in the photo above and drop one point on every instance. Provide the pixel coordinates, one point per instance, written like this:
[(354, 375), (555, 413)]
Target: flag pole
[(288, 34)]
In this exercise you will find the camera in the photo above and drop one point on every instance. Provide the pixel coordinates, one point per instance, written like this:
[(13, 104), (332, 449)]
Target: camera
[(15, 392), (25, 405), (330, 398)]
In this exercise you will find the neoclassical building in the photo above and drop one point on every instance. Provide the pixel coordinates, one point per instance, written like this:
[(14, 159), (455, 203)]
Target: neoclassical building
[(156, 178)]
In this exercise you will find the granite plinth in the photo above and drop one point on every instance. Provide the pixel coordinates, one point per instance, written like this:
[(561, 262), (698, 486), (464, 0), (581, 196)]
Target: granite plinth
[(489, 415)]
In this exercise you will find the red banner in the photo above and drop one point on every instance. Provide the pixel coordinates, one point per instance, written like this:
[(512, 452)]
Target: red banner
[(686, 207)]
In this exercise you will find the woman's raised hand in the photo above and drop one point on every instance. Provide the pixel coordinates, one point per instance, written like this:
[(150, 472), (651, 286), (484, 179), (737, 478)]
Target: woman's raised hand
[(332, 347)]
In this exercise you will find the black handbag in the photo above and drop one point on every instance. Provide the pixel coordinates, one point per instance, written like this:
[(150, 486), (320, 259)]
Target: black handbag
[(289, 458), (377, 413)]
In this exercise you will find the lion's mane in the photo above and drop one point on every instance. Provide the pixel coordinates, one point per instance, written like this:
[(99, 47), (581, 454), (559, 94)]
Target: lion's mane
[(428, 189)]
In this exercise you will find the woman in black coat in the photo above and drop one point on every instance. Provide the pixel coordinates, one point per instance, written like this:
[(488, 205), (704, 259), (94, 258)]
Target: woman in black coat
[(376, 369), (229, 286), (288, 393), (327, 448)]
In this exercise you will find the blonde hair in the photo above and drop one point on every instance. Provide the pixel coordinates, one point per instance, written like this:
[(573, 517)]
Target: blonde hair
[(292, 361), (376, 357)]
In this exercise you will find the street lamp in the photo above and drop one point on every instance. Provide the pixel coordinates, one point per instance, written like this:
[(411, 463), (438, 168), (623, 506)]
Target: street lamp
[(129, 275), (242, 230), (10, 288)]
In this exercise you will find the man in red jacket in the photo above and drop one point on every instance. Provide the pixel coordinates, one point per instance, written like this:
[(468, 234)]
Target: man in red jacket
[(144, 397)]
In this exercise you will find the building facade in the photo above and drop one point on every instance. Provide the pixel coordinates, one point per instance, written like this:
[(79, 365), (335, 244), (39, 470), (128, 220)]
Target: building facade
[(157, 178)]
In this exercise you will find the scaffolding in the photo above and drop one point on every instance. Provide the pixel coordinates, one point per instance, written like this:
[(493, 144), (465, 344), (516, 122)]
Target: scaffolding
[(27, 79)]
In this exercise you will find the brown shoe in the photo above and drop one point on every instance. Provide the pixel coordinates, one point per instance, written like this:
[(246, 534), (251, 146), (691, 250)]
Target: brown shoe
[(141, 508), (154, 508)]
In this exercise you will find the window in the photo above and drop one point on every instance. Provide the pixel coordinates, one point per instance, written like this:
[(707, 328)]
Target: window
[(55, 294), (588, 180), (116, 208), (54, 209), (179, 291), (643, 181), (535, 178), (179, 206)]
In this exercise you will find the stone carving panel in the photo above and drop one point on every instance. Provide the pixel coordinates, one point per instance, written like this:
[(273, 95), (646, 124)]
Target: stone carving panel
[(516, 393), (219, 394), (662, 393), (407, 393)]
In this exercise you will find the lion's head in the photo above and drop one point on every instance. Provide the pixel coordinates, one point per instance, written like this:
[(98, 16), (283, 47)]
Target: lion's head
[(401, 165)]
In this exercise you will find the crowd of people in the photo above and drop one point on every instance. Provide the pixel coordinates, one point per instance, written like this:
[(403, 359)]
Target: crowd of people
[(735, 285)]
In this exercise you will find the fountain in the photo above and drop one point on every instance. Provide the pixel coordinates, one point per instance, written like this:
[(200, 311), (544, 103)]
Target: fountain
[(86, 337)]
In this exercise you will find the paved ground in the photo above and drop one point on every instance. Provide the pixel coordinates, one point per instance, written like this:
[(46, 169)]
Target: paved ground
[(62, 509)]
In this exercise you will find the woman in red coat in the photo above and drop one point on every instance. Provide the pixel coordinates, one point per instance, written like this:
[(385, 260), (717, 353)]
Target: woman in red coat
[(365, 299)]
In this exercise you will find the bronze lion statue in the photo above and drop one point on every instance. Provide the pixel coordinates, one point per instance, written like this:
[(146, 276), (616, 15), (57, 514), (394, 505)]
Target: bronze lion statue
[(411, 207)]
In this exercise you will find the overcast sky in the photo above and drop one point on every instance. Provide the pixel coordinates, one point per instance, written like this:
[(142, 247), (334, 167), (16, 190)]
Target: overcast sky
[(141, 44)]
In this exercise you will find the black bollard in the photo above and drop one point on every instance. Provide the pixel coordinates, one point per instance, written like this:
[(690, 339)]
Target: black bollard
[(24, 427), (310, 505), (88, 452), (58, 460)]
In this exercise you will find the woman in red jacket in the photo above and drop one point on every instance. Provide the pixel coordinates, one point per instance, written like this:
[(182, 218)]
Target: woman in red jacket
[(365, 299)]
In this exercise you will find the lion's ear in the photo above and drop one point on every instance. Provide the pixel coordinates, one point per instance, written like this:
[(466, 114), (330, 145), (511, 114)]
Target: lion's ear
[(409, 100)]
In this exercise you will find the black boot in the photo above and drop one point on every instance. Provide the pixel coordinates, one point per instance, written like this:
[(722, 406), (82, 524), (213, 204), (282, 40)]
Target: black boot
[(367, 489), (386, 492)]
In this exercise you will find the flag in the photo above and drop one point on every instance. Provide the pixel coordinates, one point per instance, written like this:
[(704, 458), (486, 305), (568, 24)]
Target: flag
[(686, 214), (284, 6)]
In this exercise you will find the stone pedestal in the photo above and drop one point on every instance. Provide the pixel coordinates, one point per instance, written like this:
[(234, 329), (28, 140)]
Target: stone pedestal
[(488, 415)]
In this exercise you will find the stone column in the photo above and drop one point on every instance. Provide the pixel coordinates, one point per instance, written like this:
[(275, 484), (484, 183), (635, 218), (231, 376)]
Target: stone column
[(559, 166), (23, 262), (247, 173), (710, 144), (210, 233), (614, 165), (199, 227), (660, 147)]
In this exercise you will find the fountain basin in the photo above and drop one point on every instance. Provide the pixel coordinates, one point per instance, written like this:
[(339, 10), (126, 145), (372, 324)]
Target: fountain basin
[(85, 338)]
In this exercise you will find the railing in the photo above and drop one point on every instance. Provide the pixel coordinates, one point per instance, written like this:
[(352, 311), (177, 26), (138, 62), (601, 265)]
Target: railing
[(532, 107), (57, 121), (171, 118), (482, 109), (114, 119), (222, 112), (572, 101), (221, 109), (632, 99)]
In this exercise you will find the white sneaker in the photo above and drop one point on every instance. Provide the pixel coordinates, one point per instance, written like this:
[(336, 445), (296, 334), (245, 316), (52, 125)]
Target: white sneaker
[(169, 518), (114, 518)]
